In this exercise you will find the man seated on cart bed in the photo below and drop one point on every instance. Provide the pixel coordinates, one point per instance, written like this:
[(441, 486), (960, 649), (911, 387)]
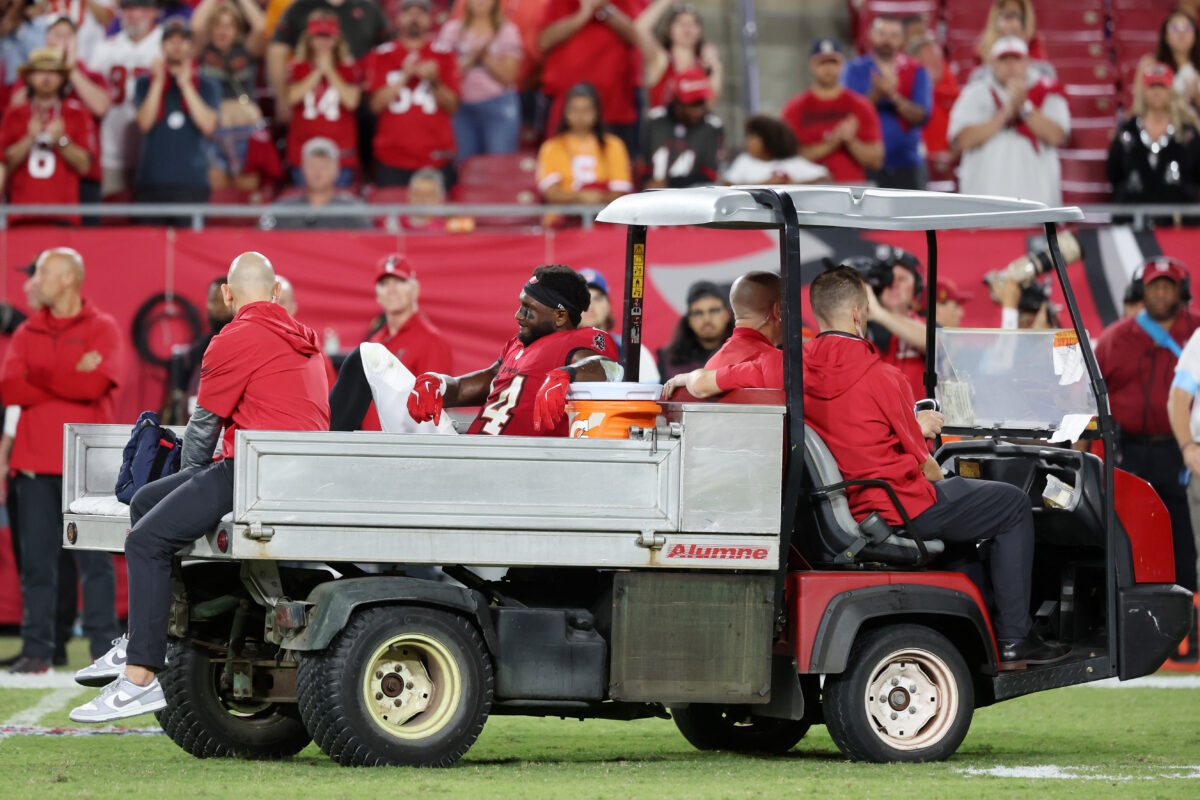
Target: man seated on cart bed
[(525, 392)]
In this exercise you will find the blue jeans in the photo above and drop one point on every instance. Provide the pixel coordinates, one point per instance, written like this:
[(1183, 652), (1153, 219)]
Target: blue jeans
[(40, 526), (491, 126), (345, 178)]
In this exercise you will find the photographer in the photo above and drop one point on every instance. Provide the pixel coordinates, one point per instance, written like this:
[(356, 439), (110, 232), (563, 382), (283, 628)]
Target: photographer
[(1024, 307), (893, 326)]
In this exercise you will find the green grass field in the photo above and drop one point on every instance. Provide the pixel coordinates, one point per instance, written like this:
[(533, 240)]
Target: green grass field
[(1140, 742)]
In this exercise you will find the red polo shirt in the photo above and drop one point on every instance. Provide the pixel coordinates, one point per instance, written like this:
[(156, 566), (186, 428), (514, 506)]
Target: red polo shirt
[(419, 346), (747, 360), (1139, 372), (863, 409), (40, 376), (264, 372)]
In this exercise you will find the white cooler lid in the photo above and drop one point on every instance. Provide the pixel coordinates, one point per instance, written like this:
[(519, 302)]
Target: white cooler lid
[(614, 390)]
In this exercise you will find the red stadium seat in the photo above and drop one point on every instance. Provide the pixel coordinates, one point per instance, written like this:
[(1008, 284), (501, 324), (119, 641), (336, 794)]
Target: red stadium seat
[(1083, 170), (525, 194), (519, 169), (1087, 72), (1093, 133), (1092, 105), (238, 197), (1056, 19), (1077, 50)]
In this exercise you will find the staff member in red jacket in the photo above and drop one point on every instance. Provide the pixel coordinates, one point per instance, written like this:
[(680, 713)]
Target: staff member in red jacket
[(1137, 356), (750, 358), (862, 408), (64, 365), (263, 371)]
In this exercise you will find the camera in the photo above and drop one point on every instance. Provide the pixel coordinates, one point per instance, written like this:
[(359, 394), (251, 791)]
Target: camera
[(1034, 263), (877, 272)]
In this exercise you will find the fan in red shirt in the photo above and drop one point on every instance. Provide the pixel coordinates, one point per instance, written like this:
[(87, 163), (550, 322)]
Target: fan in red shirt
[(324, 93), (414, 91), (591, 41), (750, 358), (48, 142), (525, 392), (836, 127), (406, 332)]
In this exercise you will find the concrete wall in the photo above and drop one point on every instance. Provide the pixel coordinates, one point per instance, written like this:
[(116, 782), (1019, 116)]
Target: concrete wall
[(785, 28)]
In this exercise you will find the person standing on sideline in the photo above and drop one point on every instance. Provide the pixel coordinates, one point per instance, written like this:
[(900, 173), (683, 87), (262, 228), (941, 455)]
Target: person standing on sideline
[(64, 364), (263, 371)]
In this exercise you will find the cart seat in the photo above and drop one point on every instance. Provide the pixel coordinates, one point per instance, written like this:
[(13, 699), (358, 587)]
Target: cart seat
[(842, 538)]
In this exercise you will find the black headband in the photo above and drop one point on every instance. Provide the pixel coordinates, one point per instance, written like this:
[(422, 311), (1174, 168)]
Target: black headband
[(548, 297)]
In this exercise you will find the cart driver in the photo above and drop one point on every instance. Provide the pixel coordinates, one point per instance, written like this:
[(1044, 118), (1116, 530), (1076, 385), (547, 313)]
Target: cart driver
[(525, 392), (263, 371), (863, 408)]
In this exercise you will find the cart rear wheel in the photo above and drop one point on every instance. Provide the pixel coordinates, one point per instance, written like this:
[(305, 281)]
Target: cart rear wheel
[(403, 686), (906, 696), (733, 728), (207, 724)]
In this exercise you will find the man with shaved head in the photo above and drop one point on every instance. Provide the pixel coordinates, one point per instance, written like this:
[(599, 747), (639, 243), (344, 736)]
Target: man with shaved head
[(64, 365), (750, 358), (263, 371)]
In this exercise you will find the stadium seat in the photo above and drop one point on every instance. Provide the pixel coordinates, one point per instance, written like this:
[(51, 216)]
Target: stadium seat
[(1092, 133), (518, 170), (1085, 105), (1085, 72), (238, 197), (1084, 179), (499, 194)]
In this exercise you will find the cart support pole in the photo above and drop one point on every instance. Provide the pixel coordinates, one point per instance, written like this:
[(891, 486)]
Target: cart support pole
[(635, 289), (931, 258)]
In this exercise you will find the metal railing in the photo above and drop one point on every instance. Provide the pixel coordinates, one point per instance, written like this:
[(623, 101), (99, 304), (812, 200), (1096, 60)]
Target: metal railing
[(199, 214)]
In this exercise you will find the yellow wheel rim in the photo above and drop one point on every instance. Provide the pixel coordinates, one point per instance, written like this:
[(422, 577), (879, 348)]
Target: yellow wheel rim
[(412, 686)]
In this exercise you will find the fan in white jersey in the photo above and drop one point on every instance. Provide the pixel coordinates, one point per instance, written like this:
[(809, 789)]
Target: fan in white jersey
[(121, 58), (90, 18)]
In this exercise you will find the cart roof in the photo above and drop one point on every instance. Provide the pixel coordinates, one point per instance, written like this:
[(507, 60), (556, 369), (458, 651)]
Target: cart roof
[(831, 206)]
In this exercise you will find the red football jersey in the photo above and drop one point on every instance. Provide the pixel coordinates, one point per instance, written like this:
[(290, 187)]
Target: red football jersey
[(597, 54), (509, 408), (45, 176), (321, 113), (413, 132), (811, 118)]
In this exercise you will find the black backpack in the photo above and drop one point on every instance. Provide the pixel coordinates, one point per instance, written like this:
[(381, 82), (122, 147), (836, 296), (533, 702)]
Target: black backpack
[(151, 453)]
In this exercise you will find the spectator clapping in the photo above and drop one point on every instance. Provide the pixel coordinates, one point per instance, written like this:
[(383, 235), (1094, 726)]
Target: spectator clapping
[(323, 92)]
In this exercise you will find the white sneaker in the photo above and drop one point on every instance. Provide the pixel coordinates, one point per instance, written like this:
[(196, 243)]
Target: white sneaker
[(105, 669), (120, 699)]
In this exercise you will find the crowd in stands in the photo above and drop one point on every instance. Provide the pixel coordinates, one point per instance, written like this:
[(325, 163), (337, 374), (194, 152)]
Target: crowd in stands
[(174, 101)]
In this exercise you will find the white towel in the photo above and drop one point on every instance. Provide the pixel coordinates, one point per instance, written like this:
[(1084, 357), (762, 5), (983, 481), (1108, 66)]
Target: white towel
[(391, 383)]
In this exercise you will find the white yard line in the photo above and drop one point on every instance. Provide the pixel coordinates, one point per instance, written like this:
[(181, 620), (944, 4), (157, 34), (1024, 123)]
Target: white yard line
[(49, 680), (1056, 772), (1149, 682), (56, 700)]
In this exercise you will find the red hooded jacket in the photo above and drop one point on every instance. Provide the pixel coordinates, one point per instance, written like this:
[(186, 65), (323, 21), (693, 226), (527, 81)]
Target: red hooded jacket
[(264, 372), (863, 409), (40, 376)]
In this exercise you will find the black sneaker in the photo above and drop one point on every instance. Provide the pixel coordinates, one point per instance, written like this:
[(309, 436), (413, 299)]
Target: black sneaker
[(30, 666), (1020, 653), (8, 662)]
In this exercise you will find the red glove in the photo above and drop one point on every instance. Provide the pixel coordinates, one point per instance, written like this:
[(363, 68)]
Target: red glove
[(425, 400), (551, 401)]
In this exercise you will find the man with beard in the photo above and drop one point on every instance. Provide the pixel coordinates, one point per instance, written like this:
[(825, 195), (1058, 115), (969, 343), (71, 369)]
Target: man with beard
[(184, 367), (1137, 356), (899, 88), (413, 83), (525, 392), (177, 113), (121, 59), (49, 141)]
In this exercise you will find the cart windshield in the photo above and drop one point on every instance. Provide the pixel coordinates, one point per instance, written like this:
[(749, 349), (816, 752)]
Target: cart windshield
[(1016, 382)]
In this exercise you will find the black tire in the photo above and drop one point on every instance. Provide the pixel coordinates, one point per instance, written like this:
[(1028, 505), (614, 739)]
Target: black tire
[(346, 696), (202, 723), (865, 709), (733, 728)]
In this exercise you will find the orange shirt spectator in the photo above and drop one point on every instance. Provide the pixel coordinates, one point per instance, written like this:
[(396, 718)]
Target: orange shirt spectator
[(583, 163)]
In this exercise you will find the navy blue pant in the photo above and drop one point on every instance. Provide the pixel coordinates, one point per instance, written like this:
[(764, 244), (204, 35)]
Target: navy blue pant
[(968, 511), (40, 528), (167, 515)]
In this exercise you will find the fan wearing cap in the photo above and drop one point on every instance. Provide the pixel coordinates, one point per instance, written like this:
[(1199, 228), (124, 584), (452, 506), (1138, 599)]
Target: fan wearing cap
[(323, 91), (684, 143), (900, 89), (836, 127), (121, 59), (1009, 131), (525, 392), (948, 308), (414, 90), (90, 18), (403, 328), (177, 113), (1138, 357), (319, 166), (49, 142), (1155, 155)]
